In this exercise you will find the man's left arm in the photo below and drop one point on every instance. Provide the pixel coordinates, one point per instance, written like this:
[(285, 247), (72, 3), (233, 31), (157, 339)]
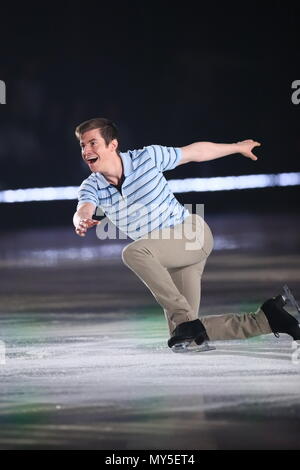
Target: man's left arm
[(205, 151)]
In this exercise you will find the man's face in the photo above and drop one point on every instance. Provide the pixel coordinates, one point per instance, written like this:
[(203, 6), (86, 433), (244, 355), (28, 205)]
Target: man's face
[(94, 151)]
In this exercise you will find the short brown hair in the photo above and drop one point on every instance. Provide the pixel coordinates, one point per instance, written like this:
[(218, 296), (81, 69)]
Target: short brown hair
[(107, 128)]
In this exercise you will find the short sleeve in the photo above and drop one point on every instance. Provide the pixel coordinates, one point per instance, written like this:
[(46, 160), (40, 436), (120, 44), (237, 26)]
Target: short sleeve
[(87, 193), (165, 158)]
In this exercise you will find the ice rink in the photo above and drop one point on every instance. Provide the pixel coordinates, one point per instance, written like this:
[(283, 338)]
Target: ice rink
[(86, 364)]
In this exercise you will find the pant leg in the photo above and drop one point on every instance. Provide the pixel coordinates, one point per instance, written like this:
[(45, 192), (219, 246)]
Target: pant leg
[(236, 326), (169, 271), (218, 327), (185, 245), (188, 282)]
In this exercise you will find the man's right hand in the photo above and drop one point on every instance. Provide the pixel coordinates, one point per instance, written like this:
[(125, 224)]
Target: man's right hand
[(84, 225)]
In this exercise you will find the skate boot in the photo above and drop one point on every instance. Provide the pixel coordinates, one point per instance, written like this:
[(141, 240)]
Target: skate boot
[(190, 336), (279, 319)]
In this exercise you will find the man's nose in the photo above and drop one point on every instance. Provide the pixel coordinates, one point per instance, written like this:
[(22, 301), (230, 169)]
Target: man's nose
[(86, 152)]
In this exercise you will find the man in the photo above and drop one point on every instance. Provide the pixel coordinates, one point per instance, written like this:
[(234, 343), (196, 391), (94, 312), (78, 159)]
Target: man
[(131, 190)]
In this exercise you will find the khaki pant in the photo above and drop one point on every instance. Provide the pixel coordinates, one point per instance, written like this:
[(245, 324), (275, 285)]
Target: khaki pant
[(170, 262)]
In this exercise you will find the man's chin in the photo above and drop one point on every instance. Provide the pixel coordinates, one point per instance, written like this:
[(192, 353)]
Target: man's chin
[(94, 169)]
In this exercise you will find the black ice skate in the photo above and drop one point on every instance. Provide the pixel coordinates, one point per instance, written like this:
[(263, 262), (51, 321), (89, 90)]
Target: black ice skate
[(279, 319), (190, 336)]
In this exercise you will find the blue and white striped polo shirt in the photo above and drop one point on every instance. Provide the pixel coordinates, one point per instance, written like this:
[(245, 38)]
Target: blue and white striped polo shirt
[(146, 202)]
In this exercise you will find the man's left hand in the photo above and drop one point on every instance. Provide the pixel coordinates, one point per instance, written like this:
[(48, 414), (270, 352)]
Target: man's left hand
[(246, 147)]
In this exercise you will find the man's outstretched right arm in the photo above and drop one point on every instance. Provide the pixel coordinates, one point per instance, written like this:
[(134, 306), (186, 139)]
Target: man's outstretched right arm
[(83, 220)]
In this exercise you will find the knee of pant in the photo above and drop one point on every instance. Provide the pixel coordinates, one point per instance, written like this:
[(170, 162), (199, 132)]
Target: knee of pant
[(134, 250), (126, 254)]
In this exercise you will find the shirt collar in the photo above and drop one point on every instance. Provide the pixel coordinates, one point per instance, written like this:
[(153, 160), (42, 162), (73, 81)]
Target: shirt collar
[(127, 165)]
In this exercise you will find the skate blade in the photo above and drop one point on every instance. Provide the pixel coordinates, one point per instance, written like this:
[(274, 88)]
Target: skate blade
[(288, 297), (185, 347)]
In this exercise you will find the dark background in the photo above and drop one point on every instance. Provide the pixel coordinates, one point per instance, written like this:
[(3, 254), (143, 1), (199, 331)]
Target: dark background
[(165, 73)]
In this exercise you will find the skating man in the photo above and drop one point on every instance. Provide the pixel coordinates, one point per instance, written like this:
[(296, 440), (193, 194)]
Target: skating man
[(132, 192)]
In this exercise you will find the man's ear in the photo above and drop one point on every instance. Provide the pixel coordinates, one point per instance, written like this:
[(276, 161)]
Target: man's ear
[(114, 144)]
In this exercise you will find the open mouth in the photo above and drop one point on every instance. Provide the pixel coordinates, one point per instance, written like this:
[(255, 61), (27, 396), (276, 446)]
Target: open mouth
[(92, 160)]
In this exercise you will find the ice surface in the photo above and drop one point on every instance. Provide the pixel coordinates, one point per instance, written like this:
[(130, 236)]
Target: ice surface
[(110, 380), (87, 363)]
